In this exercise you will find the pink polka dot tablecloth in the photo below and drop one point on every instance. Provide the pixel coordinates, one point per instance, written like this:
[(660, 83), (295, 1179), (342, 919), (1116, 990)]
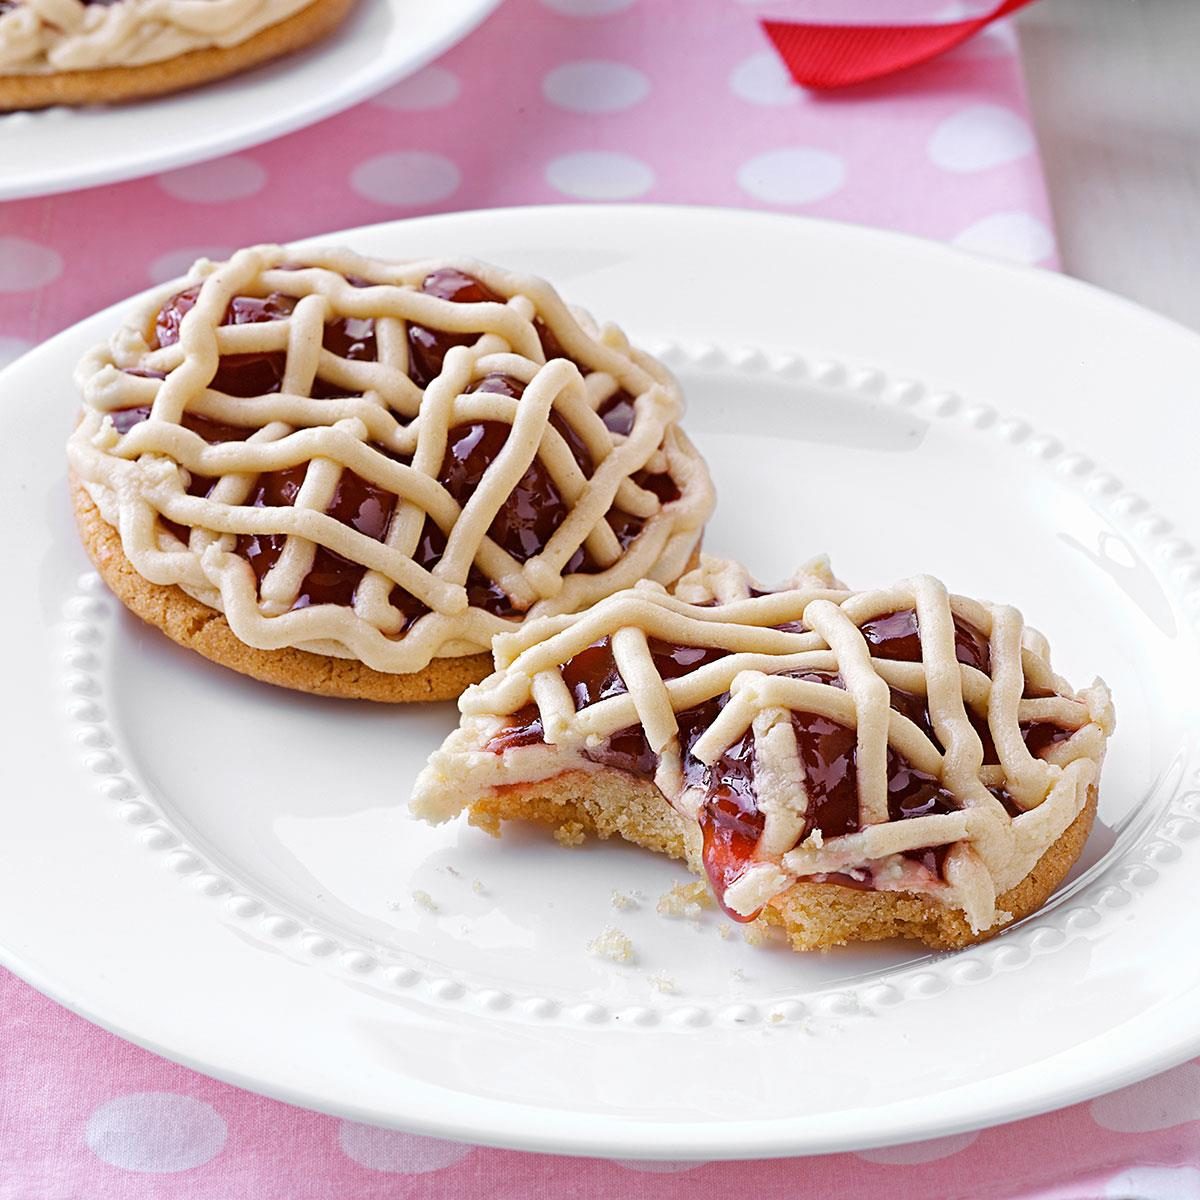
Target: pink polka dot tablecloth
[(551, 100)]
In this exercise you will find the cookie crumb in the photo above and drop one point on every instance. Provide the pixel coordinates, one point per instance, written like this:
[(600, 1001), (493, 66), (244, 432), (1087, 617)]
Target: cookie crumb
[(624, 900), (570, 834), (660, 981), (478, 888), (685, 900), (755, 934), (776, 1018), (738, 974), (425, 900), (723, 932), (613, 945)]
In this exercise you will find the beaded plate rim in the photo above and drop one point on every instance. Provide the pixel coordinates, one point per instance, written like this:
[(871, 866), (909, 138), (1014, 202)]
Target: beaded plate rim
[(1152, 840)]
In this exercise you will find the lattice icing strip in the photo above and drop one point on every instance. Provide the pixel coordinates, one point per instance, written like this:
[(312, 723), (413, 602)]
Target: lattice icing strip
[(390, 434)]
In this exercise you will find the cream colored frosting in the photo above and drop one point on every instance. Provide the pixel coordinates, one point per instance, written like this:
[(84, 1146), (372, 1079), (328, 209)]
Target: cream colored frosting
[(140, 480), (41, 36), (990, 851)]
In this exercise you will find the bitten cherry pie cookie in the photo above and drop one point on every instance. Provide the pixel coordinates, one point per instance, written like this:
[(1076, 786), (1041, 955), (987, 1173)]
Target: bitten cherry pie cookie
[(849, 765), (103, 51), (347, 476)]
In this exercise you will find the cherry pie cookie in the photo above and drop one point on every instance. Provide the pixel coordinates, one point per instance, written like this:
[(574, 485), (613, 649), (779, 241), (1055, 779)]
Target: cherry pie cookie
[(347, 476), (103, 51), (848, 765)]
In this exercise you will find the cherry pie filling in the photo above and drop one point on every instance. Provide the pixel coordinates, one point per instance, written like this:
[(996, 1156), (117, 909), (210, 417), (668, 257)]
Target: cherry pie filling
[(524, 524), (730, 820)]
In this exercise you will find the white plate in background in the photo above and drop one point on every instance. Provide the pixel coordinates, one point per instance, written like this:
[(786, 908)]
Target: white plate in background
[(382, 41)]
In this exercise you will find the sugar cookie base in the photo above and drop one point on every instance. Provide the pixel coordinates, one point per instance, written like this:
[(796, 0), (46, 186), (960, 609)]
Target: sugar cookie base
[(814, 916), (111, 85), (194, 625)]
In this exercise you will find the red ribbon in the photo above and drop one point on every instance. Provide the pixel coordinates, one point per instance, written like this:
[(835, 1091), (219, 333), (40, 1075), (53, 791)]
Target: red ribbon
[(833, 56)]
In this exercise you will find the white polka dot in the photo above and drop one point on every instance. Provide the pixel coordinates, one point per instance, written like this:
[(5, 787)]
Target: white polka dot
[(657, 1166), (25, 265), (763, 79), (11, 349), (1154, 1183), (406, 178), (1158, 1103), (961, 10), (216, 182), (175, 263), (434, 87), (979, 137), (915, 1153), (1017, 236), (600, 175), (798, 175), (595, 86), (587, 8), (998, 40), (155, 1132), (399, 1153)]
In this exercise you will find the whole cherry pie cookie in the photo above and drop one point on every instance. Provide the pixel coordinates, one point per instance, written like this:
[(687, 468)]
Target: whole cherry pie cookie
[(848, 765), (347, 476), (103, 51)]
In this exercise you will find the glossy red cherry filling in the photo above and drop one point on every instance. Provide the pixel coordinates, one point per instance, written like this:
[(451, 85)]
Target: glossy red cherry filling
[(913, 793), (592, 675), (427, 348), (538, 483), (524, 524), (367, 508), (932, 858), (351, 338), (356, 502), (213, 432), (505, 385), (617, 412), (730, 821), (1041, 735), (897, 636), (261, 373), (1010, 805), (482, 592), (524, 728), (828, 753)]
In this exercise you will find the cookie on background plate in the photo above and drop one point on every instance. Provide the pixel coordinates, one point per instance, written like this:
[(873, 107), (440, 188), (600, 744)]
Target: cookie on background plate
[(106, 51), (850, 766), (346, 476)]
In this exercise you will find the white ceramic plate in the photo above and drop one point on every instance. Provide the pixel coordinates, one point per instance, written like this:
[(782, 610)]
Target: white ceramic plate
[(225, 873), (61, 149)]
